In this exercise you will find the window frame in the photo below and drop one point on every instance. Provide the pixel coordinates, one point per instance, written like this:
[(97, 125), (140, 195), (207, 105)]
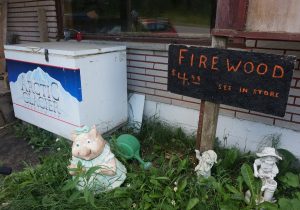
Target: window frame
[(149, 38)]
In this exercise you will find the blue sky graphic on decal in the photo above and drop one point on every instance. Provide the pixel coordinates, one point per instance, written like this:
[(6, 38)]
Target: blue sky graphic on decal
[(69, 79)]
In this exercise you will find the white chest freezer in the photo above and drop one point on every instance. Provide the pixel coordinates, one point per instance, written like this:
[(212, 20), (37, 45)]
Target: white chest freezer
[(61, 86)]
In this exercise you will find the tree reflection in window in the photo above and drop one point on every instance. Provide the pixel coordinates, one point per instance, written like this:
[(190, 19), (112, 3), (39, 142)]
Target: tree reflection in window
[(158, 17)]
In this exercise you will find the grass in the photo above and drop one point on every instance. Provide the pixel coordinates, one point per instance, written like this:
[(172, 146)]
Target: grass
[(170, 184)]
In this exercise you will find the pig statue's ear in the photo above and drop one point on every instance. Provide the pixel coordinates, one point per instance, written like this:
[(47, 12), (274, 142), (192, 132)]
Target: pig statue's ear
[(93, 132), (73, 136)]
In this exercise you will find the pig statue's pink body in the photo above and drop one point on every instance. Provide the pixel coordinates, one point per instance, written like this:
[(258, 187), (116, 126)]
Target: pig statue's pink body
[(92, 150)]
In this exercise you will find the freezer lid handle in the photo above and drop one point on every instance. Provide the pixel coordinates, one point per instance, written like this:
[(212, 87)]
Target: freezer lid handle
[(46, 55)]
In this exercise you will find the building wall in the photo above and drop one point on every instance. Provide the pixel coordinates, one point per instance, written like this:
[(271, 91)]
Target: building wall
[(247, 130), (273, 15), (147, 74), (23, 22)]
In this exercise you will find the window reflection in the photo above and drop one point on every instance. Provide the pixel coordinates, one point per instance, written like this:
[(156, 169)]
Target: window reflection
[(155, 17)]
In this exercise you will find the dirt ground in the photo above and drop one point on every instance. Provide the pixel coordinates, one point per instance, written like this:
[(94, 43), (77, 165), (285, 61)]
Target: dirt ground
[(15, 152)]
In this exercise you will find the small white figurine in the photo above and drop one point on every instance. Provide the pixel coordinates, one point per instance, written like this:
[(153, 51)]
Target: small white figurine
[(206, 162), (92, 150), (266, 169)]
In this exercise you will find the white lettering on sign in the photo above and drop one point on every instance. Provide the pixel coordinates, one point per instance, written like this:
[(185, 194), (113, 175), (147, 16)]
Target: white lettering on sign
[(41, 91)]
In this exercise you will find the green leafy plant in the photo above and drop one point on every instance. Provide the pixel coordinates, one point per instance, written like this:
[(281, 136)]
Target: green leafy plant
[(288, 162), (253, 185), (38, 138), (170, 184), (83, 179)]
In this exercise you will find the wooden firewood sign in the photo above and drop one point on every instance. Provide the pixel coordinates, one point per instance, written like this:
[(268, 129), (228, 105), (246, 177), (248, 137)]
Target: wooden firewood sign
[(249, 80)]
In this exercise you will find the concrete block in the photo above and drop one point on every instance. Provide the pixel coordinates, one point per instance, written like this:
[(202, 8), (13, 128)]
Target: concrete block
[(296, 74), (239, 49), (136, 70), (142, 52), (275, 52), (190, 99), (226, 112), (142, 77), (161, 66), (140, 89), (157, 59), (293, 83), (289, 125), (248, 135), (234, 108), (293, 109), (161, 80), (297, 101), (147, 46), (161, 53), (255, 118), (291, 100), (296, 118), (278, 44), (250, 43), (156, 73), (136, 82), (241, 109), (168, 94), (285, 117), (297, 65), (294, 92), (186, 104), (140, 64), (295, 53), (179, 116), (136, 57), (150, 109), (156, 86), (158, 99), (228, 107)]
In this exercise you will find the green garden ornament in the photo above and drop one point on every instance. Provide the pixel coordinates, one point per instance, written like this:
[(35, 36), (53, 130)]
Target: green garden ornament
[(129, 147)]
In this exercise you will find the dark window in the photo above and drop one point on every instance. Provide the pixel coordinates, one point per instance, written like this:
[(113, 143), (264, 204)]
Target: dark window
[(168, 18)]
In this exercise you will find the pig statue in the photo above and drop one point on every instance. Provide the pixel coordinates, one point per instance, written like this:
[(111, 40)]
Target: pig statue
[(92, 150)]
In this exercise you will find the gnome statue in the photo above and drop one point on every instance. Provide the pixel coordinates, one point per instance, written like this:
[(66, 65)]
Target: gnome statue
[(206, 162), (91, 150), (266, 169)]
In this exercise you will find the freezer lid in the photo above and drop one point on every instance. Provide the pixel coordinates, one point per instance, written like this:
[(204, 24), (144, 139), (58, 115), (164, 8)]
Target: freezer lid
[(66, 48)]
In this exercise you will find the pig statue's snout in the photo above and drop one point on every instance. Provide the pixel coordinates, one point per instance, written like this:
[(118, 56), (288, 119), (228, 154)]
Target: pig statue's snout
[(84, 152)]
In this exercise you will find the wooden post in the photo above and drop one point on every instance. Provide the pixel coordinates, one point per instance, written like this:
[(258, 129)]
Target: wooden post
[(129, 19), (42, 22), (208, 117), (3, 34), (4, 21)]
